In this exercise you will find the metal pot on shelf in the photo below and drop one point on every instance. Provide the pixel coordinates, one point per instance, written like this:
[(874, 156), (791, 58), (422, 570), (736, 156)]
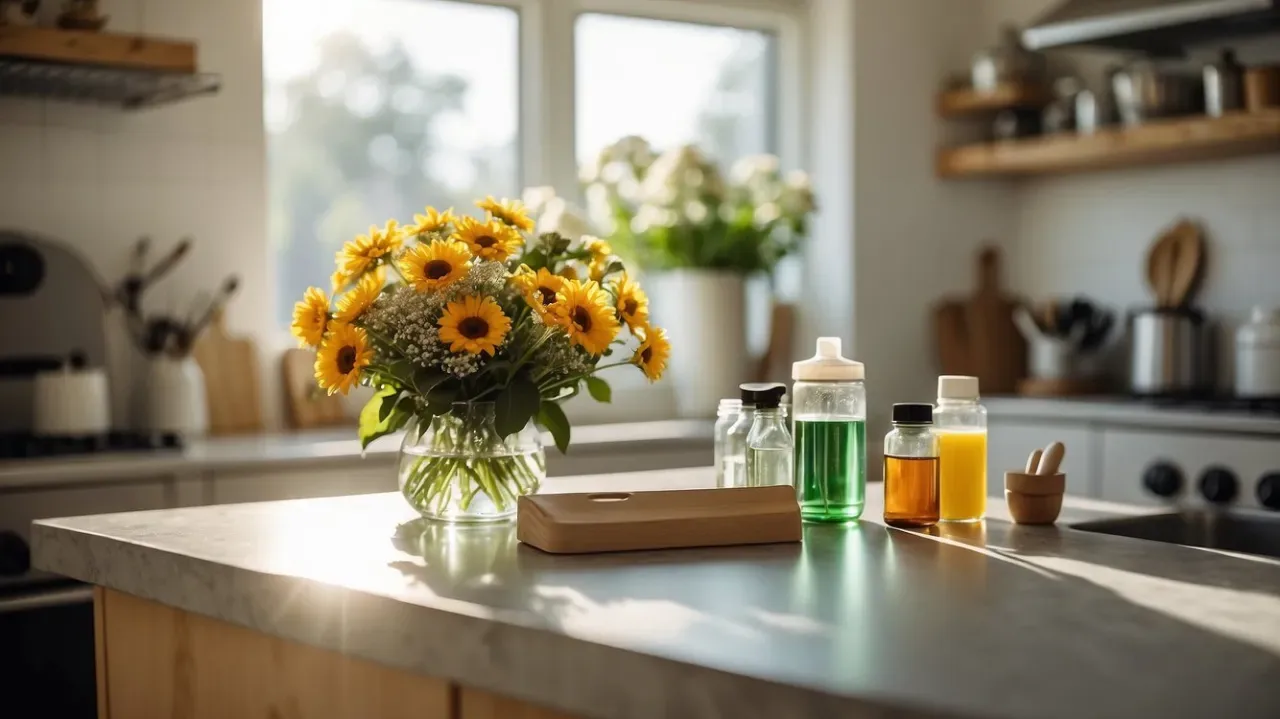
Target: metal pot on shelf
[(1146, 90)]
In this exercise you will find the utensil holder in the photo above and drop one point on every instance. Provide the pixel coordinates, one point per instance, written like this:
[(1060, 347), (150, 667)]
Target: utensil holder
[(176, 397), (1034, 498)]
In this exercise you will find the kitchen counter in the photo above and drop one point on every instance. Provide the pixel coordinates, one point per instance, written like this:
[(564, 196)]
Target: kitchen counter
[(986, 620), (1120, 411), (313, 448)]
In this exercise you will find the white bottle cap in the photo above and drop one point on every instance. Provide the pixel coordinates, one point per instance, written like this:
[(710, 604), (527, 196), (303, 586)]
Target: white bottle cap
[(954, 386), (827, 365)]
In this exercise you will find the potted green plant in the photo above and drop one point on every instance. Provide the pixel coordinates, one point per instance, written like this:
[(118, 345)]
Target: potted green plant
[(699, 235)]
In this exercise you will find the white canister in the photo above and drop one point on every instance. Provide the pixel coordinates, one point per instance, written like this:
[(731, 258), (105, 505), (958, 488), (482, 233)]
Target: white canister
[(1258, 354), (72, 402), (175, 397)]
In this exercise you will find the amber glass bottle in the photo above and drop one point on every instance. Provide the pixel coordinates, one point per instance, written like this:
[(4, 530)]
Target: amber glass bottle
[(911, 497)]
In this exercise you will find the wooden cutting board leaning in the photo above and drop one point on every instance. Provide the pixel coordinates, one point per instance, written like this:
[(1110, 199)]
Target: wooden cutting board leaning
[(977, 336), (230, 367)]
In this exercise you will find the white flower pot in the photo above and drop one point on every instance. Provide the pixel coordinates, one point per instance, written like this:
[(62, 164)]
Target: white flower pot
[(175, 397), (704, 313)]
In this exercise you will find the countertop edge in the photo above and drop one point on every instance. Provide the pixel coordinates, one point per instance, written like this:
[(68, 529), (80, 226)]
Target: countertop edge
[(310, 449), (500, 656), (1115, 411)]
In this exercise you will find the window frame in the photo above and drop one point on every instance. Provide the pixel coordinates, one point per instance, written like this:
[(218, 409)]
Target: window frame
[(546, 93)]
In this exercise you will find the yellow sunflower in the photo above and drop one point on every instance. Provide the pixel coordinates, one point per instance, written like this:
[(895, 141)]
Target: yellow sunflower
[(361, 297), (491, 240), (652, 354), (539, 290), (587, 315), (310, 317), (474, 324), (511, 212), (357, 255), (436, 265), (343, 353), (632, 304), (433, 221), (599, 249)]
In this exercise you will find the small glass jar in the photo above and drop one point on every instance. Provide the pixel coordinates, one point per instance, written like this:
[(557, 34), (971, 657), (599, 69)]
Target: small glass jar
[(726, 415), (911, 468), (734, 460), (769, 448)]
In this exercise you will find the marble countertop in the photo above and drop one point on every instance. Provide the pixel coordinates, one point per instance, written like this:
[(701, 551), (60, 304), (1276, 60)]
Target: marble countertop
[(1120, 411), (986, 620), (313, 447)]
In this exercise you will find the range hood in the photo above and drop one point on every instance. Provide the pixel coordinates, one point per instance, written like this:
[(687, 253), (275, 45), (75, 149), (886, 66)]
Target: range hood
[(1154, 26)]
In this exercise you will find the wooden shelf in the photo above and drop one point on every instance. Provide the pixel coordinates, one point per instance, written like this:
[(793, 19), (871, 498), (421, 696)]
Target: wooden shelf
[(968, 102), (128, 71), (1168, 141)]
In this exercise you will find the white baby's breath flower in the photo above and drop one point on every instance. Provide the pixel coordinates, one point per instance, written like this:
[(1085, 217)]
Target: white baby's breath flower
[(695, 211), (767, 213)]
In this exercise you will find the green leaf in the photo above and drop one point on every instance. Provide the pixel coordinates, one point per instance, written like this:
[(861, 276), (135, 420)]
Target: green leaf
[(535, 259), (613, 267), (551, 418), (516, 405), (372, 424), (441, 398), (425, 380), (599, 389), (388, 404), (560, 244)]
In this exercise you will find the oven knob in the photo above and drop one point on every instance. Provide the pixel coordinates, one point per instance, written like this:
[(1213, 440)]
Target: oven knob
[(1219, 485), (15, 556), (1269, 490), (1163, 479)]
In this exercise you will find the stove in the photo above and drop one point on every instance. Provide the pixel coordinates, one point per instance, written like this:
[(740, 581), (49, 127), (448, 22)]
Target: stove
[(25, 445)]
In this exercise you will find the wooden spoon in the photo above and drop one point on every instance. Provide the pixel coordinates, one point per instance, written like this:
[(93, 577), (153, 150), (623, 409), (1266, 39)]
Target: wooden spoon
[(1160, 263), (1189, 263)]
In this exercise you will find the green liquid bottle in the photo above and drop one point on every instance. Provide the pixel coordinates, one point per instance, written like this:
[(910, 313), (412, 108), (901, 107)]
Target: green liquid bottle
[(829, 403), (831, 461)]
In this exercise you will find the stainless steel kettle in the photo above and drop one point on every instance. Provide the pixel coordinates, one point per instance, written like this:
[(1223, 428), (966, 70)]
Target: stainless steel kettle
[(1169, 352)]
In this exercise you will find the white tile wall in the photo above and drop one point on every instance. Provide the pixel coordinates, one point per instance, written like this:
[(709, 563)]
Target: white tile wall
[(98, 178)]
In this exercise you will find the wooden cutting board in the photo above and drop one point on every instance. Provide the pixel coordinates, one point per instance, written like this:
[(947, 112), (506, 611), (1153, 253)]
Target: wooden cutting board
[(976, 335), (669, 519), (997, 350), (230, 366), (308, 406)]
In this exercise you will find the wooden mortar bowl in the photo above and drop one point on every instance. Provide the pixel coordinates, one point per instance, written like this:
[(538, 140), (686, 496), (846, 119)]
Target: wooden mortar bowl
[(1032, 498)]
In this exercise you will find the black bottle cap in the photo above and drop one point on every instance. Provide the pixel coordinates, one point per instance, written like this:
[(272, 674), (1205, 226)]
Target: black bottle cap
[(913, 413), (762, 395)]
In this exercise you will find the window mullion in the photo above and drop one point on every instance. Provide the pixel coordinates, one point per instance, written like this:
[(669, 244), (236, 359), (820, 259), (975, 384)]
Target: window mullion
[(546, 94)]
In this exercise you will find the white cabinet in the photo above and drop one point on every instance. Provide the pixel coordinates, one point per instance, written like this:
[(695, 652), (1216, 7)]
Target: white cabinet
[(1009, 441), (18, 508)]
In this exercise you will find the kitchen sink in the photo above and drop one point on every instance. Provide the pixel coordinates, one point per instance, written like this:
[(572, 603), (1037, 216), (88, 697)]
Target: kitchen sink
[(1229, 531)]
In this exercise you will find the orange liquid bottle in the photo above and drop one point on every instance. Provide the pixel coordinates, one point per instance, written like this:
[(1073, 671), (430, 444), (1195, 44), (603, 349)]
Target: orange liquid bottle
[(911, 490)]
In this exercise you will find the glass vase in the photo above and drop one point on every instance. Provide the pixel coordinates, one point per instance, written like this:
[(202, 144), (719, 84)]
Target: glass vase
[(460, 470)]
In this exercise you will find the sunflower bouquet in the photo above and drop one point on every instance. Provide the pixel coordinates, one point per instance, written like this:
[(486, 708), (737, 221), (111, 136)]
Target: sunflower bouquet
[(472, 332)]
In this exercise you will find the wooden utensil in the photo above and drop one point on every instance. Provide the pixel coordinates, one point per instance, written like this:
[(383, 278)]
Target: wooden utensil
[(782, 322), (1161, 259), (1034, 460), (230, 366), (1034, 498), (308, 406), (1051, 459), (1188, 265), (997, 349), (624, 521)]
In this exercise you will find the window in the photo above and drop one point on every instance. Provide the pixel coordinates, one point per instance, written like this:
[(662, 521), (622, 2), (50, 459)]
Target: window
[(702, 84), (375, 108)]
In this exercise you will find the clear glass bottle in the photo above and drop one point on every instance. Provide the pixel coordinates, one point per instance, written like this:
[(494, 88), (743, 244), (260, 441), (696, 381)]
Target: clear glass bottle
[(726, 415), (769, 447), (734, 459), (961, 425), (829, 415), (911, 468)]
